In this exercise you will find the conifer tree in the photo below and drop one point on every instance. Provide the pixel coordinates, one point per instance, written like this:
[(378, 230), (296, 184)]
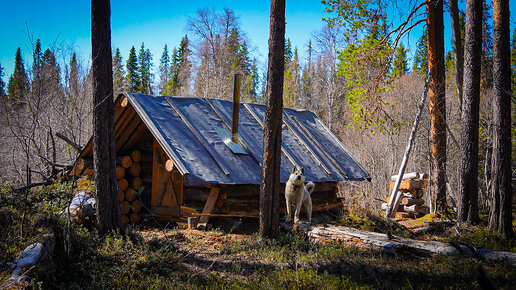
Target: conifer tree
[(118, 73), (145, 62), (288, 51), (37, 59), (291, 83), (164, 68), (2, 83), (18, 82), (421, 56), (73, 83), (50, 69), (400, 66), (133, 73), (179, 75)]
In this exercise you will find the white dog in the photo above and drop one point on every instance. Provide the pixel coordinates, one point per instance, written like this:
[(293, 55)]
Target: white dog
[(296, 192)]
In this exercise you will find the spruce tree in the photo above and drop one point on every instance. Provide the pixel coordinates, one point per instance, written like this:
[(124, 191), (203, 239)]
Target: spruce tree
[(164, 68), (400, 66), (2, 83), (133, 72), (288, 51), (118, 73), (179, 74), (291, 83), (74, 83), (421, 56), (145, 62), (37, 59), (51, 74), (18, 82)]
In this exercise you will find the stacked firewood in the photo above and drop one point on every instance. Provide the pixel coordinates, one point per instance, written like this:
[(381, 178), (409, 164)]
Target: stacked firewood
[(128, 172), (410, 196)]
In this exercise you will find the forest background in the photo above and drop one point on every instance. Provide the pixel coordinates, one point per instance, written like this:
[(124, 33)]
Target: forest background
[(363, 81)]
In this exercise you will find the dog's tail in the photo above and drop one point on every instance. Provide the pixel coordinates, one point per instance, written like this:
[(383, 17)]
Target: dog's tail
[(310, 186)]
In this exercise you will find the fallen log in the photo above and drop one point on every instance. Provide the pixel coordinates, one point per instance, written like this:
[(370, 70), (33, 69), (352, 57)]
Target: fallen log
[(325, 234), (412, 201)]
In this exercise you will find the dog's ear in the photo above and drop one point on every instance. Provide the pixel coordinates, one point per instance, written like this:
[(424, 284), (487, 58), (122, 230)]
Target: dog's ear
[(303, 170), (294, 169)]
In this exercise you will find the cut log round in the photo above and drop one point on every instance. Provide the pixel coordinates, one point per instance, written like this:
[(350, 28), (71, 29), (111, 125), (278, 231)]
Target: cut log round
[(130, 194), (125, 220), (121, 195), (136, 206), (137, 183), (120, 172), (136, 156), (123, 184), (169, 165), (135, 218), (125, 207), (127, 161), (135, 169), (412, 201), (124, 103)]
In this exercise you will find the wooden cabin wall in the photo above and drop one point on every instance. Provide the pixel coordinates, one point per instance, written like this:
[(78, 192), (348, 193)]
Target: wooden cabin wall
[(244, 200)]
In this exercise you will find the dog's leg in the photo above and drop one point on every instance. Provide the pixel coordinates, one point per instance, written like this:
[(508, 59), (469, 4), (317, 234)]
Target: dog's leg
[(289, 211), (308, 206), (296, 214)]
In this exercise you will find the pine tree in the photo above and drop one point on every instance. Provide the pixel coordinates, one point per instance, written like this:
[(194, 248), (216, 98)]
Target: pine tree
[(145, 62), (18, 85), (400, 66), (133, 73), (421, 56), (118, 73), (164, 68), (288, 51)]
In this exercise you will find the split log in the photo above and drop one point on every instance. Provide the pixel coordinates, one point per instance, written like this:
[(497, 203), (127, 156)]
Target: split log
[(123, 184), (340, 234), (127, 161), (136, 206), (135, 218), (137, 183), (412, 201), (125, 207), (120, 172), (411, 175), (130, 194), (410, 184), (89, 171), (136, 155), (135, 169)]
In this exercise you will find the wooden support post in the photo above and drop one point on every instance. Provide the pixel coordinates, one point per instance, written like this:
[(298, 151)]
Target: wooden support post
[(208, 207)]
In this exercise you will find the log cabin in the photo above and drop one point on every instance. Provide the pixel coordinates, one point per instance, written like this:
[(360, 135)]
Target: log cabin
[(201, 157)]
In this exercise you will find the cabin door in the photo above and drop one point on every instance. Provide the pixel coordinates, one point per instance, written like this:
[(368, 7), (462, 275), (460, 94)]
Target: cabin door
[(167, 185)]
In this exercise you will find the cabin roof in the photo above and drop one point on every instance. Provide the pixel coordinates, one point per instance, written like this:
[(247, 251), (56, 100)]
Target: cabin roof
[(186, 129)]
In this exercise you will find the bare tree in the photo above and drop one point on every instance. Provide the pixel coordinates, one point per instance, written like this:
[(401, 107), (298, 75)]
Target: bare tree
[(501, 214), (468, 180), (270, 184), (104, 154)]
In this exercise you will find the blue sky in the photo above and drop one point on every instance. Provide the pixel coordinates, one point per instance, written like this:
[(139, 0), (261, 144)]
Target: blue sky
[(156, 23)]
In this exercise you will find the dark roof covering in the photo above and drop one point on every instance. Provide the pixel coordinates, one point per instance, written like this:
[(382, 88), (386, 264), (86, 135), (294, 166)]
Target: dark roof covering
[(185, 127)]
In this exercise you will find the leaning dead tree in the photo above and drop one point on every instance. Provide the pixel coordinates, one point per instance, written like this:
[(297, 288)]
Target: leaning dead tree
[(270, 185), (104, 154)]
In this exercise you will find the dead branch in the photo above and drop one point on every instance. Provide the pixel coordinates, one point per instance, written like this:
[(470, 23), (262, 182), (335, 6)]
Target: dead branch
[(67, 140)]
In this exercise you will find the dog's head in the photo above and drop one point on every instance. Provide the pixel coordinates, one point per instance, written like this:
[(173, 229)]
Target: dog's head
[(297, 176)]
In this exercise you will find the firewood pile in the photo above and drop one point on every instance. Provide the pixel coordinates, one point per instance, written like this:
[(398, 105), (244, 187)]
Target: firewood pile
[(409, 201), (128, 172)]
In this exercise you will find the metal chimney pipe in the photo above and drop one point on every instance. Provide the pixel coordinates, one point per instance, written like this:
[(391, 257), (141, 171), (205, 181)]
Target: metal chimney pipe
[(236, 108)]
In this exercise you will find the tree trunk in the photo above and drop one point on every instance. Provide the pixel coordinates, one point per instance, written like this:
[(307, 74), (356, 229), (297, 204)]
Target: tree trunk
[(270, 184), (468, 173), (458, 48), (500, 215), (434, 10), (104, 155)]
